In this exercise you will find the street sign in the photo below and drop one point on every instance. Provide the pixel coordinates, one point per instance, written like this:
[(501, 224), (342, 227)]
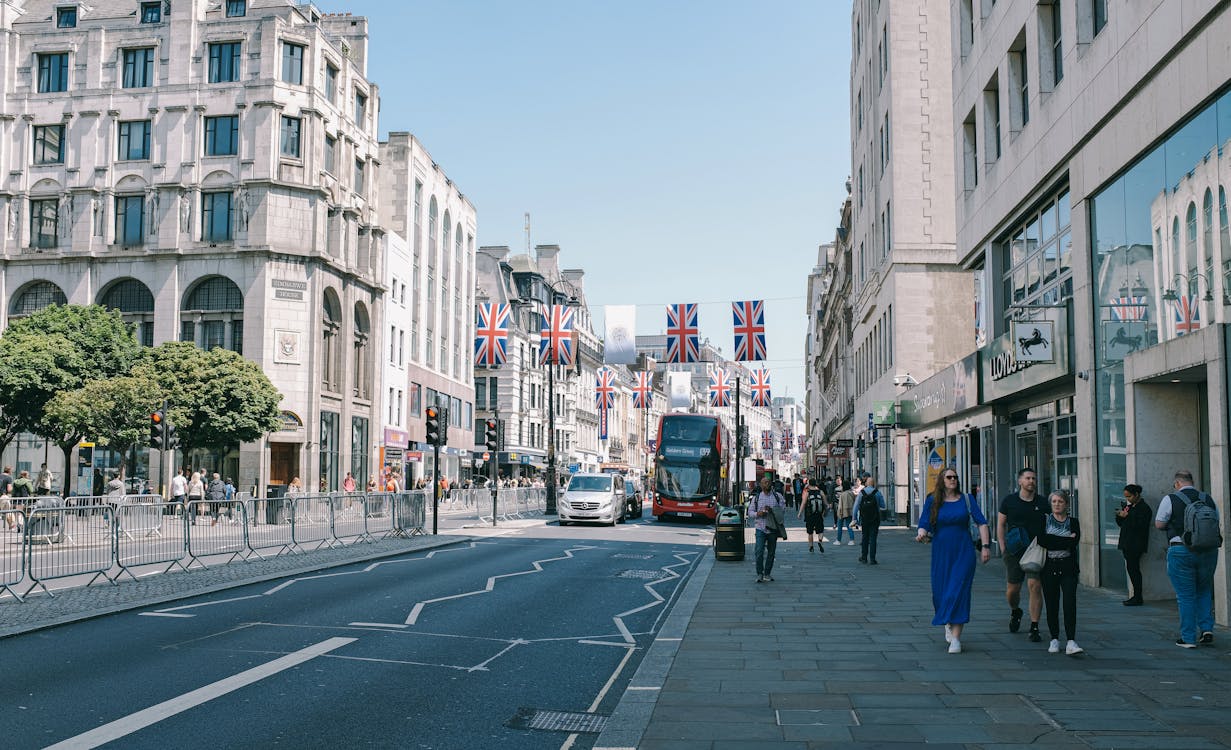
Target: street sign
[(844, 443)]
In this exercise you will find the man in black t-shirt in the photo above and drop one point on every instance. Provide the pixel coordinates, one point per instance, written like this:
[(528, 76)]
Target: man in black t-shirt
[(1021, 511)]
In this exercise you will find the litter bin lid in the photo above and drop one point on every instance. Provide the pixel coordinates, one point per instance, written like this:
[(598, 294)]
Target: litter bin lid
[(728, 516)]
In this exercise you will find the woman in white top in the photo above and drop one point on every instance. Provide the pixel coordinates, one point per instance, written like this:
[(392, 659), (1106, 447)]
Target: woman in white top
[(196, 493)]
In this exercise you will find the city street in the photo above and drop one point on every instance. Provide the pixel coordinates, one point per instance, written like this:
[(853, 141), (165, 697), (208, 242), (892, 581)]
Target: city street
[(463, 646)]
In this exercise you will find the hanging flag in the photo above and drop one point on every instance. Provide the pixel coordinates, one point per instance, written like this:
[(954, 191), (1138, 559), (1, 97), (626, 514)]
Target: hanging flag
[(604, 388), (749, 330), (620, 343), (1187, 314), (602, 424), (491, 335), (683, 336), (556, 338), (720, 388), (1129, 308), (767, 440), (642, 390), (803, 444), (759, 387), (679, 385)]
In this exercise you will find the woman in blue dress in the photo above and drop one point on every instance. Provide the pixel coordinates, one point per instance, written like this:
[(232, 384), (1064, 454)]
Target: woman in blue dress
[(945, 522)]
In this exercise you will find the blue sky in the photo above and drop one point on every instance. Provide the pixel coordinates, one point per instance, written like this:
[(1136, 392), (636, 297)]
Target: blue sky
[(677, 151)]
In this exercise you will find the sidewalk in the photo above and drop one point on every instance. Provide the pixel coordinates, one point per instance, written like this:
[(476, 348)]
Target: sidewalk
[(834, 652)]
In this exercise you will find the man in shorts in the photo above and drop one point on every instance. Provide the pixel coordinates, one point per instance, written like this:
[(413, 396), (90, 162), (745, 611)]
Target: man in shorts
[(813, 505), (1022, 516)]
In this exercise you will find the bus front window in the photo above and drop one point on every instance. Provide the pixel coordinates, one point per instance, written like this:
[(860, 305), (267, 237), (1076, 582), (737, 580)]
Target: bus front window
[(685, 481)]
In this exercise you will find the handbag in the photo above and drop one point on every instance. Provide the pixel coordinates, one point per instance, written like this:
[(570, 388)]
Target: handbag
[(1034, 556)]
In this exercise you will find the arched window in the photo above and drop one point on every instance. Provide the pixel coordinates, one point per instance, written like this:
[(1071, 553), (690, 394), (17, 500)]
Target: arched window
[(1224, 238), (331, 327), (213, 315), (1176, 263), (35, 297), (432, 239), (134, 301), (1191, 252), (444, 244), (361, 368)]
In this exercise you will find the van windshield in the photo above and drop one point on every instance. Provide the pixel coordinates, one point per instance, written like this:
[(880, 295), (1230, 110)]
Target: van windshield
[(590, 484)]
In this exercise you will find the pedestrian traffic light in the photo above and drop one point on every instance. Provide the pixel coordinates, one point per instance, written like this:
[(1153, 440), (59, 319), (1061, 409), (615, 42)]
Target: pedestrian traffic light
[(156, 430), (490, 436), (173, 440), (432, 417)]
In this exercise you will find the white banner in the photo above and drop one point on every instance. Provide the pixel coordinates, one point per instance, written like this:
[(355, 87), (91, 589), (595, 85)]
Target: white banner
[(680, 387), (620, 343)]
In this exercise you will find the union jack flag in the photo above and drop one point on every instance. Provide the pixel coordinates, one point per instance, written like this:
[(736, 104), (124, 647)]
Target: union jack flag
[(767, 440), (604, 388), (803, 443), (683, 336), (786, 442), (556, 338), (759, 387), (491, 335), (749, 330), (720, 388), (641, 391), (1129, 308), (1187, 314)]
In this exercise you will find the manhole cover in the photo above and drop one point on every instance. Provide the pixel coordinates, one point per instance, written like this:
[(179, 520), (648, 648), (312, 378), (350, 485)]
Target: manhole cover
[(558, 721), (630, 556), (644, 575)]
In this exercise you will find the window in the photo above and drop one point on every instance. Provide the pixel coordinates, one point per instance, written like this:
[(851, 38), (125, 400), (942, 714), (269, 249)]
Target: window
[(53, 72), (237, 8), (329, 450), (44, 223), (331, 153), (358, 186), (136, 304), (138, 68), (134, 140), (151, 12), (290, 136), (1051, 66), (970, 153), (991, 118), (859, 111), (222, 135), (216, 216), (129, 219), (967, 27), (884, 53), (66, 18), (1098, 9), (224, 62), (292, 63), (359, 449), (331, 83), (1019, 84), (401, 348), (48, 144), (885, 143), (1057, 39), (360, 366), (1036, 257), (35, 297), (361, 108), (331, 330)]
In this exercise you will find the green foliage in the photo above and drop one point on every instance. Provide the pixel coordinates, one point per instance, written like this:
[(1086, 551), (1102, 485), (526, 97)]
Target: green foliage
[(218, 398), (115, 411)]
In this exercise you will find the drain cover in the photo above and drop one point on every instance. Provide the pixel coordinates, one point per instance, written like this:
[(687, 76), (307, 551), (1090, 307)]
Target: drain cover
[(644, 575), (558, 721)]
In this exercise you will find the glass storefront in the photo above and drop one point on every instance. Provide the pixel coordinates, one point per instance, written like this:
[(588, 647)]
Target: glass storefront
[(1161, 265)]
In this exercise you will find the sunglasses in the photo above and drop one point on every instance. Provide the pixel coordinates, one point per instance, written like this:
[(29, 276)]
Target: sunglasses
[(951, 476)]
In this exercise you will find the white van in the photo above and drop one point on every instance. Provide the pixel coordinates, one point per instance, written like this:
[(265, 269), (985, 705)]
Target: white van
[(594, 498)]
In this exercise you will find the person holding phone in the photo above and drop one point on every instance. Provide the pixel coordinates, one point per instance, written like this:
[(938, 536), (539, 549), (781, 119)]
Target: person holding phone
[(1133, 518)]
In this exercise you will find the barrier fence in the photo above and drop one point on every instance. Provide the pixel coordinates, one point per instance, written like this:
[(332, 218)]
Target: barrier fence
[(109, 537)]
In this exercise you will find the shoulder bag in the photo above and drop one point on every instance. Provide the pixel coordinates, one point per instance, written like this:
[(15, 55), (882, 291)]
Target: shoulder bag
[(1034, 556)]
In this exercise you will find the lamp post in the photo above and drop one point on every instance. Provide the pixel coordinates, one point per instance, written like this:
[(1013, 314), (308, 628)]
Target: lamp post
[(552, 362)]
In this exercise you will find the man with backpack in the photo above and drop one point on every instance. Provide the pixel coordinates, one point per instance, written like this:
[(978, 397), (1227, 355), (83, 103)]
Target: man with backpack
[(868, 510), (767, 511), (1190, 519)]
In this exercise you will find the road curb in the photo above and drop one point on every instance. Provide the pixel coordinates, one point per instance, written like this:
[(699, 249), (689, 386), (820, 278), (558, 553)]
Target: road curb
[(632, 714), (149, 601)]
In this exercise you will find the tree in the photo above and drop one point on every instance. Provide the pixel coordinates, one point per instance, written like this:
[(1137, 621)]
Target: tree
[(56, 349), (115, 411), (218, 398)]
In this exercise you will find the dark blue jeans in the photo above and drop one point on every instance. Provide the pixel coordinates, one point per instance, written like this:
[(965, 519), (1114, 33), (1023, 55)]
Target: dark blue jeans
[(767, 547), (867, 543), (1192, 577)]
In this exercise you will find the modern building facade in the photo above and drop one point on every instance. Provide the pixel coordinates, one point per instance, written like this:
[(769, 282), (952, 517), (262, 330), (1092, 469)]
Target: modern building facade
[(1091, 203), (208, 169)]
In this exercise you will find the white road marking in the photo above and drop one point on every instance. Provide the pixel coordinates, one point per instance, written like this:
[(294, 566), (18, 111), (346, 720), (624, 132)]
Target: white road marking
[(602, 643), (535, 567), (207, 604), (154, 714), (377, 625), (640, 687), (163, 614)]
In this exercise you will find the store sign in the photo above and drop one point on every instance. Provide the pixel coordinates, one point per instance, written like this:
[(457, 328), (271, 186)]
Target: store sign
[(291, 421), (952, 390), (289, 290), (1004, 374), (396, 438), (1033, 341), (883, 413)]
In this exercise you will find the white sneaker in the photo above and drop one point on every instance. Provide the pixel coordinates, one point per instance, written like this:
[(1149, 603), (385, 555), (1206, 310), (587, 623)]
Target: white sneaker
[(955, 646), (824, 539), (1054, 647), (1073, 648), (851, 543), (948, 634)]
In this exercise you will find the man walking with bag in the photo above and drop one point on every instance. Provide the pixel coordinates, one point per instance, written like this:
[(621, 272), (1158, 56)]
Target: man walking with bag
[(1190, 519), (812, 509), (868, 510), (768, 510)]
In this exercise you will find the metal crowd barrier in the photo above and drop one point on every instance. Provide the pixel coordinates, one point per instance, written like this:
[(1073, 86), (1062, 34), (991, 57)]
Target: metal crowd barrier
[(150, 532), (12, 551), (216, 529), (312, 522), (86, 542), (409, 511)]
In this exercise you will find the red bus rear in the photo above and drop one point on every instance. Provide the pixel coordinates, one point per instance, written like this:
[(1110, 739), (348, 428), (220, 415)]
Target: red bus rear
[(690, 466)]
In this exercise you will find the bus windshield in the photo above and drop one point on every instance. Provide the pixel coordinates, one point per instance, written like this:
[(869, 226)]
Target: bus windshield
[(590, 484), (687, 481)]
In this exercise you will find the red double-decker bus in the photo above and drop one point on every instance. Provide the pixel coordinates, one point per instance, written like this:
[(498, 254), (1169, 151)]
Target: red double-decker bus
[(690, 466)]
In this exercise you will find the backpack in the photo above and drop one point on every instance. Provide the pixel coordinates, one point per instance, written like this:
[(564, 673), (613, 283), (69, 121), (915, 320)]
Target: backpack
[(869, 510), (1017, 539), (1201, 531)]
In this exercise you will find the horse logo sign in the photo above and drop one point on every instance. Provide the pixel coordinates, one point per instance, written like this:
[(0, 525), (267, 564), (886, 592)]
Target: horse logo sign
[(1033, 341)]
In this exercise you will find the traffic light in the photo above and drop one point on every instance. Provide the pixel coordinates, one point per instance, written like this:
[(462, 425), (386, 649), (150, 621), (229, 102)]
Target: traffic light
[(156, 428), (490, 436), (173, 440), (432, 416)]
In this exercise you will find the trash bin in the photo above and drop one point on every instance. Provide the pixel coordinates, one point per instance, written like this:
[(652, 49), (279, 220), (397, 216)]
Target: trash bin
[(729, 535), (276, 504)]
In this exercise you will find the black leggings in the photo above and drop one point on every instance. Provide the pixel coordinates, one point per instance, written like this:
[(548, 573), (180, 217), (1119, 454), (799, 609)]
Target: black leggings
[(1057, 579), (1132, 562)]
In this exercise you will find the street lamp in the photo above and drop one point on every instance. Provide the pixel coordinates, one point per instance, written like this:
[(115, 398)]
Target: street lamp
[(1190, 280), (552, 363)]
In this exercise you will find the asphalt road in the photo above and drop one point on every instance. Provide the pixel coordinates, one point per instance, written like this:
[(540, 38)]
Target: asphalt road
[(462, 647)]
